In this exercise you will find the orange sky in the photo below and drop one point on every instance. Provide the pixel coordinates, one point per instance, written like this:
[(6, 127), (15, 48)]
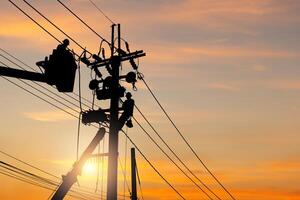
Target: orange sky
[(227, 72)]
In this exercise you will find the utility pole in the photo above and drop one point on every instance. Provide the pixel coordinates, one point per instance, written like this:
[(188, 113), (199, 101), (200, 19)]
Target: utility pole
[(112, 179), (133, 175), (60, 70)]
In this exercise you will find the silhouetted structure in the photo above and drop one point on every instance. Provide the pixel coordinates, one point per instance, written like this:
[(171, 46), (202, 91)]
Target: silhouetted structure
[(59, 69), (127, 108)]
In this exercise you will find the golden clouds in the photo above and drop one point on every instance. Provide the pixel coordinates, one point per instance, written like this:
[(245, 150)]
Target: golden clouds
[(49, 116)]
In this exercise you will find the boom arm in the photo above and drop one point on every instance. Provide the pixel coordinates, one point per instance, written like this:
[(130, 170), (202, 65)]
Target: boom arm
[(71, 177), (22, 74)]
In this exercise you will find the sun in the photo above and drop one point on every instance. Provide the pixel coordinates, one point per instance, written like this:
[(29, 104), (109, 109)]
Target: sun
[(89, 168)]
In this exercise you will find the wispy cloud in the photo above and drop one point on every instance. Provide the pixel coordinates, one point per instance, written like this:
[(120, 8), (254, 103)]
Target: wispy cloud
[(48, 116), (283, 85), (223, 86), (260, 68)]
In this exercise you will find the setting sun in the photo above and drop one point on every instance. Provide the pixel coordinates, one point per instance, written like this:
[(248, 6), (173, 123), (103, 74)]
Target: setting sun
[(89, 168)]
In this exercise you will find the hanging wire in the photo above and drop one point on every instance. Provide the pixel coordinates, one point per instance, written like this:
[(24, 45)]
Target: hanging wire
[(125, 162), (80, 105), (101, 11), (122, 168), (102, 167), (98, 169), (139, 180)]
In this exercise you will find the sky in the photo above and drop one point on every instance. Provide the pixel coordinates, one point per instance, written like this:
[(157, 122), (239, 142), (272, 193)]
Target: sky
[(225, 70)]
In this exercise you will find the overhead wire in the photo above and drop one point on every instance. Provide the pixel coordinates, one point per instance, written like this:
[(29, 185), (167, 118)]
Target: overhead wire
[(53, 24), (41, 26), (51, 97), (124, 175), (172, 160), (139, 181), (153, 167), (65, 94), (29, 176), (185, 140), (173, 152), (125, 162), (147, 160), (169, 118), (74, 14), (101, 11), (81, 189)]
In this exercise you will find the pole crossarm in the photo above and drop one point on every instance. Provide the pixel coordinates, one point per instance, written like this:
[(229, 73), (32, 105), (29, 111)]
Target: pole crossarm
[(124, 57)]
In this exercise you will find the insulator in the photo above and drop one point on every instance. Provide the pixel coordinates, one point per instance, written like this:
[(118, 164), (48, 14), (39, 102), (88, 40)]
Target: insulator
[(130, 77), (133, 64), (94, 84)]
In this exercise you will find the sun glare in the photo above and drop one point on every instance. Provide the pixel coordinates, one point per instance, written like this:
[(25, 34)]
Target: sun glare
[(89, 168)]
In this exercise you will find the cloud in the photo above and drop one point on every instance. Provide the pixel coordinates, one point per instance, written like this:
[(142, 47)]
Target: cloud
[(284, 85), (222, 86), (49, 116), (260, 68)]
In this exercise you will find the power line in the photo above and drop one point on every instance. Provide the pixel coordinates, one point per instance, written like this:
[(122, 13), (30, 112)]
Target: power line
[(64, 6), (185, 140), (172, 151), (74, 14), (41, 14), (153, 167), (38, 23), (40, 86), (34, 21), (194, 152), (48, 173), (33, 177), (101, 11), (25, 64), (148, 161), (23, 88), (161, 149), (139, 180)]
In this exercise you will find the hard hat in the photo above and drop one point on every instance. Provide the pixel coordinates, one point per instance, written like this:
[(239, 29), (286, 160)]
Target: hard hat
[(66, 42), (128, 95)]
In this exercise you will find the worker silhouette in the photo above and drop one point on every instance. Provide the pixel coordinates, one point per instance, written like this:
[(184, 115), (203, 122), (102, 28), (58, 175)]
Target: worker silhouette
[(64, 45), (127, 108)]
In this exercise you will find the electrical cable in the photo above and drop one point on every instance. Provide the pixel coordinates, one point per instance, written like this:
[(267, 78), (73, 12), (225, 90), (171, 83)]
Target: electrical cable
[(45, 172), (172, 160), (139, 180), (148, 161), (29, 16), (173, 152), (34, 21), (39, 89), (125, 162), (185, 140), (162, 150), (30, 176), (23, 63), (54, 25), (153, 167), (74, 14), (123, 172), (101, 11)]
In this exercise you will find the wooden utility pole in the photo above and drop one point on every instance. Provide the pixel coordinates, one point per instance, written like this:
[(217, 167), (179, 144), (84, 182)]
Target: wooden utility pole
[(112, 178), (133, 175)]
